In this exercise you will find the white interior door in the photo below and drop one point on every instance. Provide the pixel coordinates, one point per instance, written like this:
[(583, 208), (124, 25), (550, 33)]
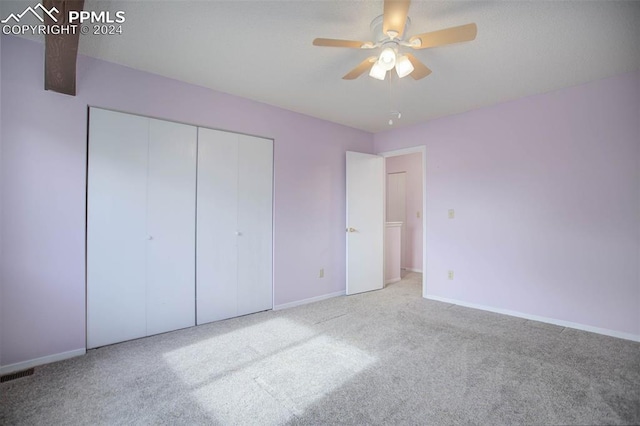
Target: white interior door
[(171, 226), (365, 222), (255, 224), (116, 223), (217, 225)]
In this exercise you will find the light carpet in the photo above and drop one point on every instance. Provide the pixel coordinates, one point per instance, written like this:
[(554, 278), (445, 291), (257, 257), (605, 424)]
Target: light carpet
[(385, 357)]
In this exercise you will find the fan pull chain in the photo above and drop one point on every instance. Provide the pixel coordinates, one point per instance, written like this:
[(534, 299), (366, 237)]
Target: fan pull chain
[(393, 112)]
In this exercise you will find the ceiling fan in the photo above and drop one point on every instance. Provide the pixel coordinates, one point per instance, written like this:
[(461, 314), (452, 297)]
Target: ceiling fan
[(389, 30)]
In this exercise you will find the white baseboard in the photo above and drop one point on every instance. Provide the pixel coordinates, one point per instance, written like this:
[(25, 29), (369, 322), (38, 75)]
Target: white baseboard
[(309, 300), (412, 270), (569, 324), (392, 280), (24, 365)]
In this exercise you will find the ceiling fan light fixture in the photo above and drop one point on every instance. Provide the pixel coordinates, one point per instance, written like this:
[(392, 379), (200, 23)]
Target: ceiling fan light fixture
[(404, 67), (387, 58), (377, 71)]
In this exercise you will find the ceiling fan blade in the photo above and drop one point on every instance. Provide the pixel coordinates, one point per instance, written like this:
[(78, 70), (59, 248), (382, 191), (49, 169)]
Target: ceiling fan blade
[(363, 67), (420, 70), (442, 37), (332, 42), (395, 16)]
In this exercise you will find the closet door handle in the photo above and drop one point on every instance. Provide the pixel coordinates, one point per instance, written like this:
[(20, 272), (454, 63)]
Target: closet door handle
[(239, 234), (149, 237)]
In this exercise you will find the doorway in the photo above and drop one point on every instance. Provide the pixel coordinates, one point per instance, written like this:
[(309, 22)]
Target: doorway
[(405, 222), (366, 221)]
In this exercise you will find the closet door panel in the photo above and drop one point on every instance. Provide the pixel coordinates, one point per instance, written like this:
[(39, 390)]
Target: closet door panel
[(217, 220), (171, 226), (255, 218), (116, 220)]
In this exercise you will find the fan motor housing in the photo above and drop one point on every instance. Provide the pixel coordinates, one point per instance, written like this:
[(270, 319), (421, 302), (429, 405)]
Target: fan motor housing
[(376, 29)]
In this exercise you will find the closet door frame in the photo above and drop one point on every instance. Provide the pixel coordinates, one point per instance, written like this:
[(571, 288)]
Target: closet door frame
[(141, 240)]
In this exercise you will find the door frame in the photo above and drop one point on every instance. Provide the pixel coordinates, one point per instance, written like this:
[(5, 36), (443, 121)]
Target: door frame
[(413, 150)]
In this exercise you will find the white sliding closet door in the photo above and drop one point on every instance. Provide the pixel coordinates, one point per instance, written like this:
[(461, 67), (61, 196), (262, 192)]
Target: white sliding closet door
[(234, 225), (217, 221), (116, 224), (255, 210), (171, 226)]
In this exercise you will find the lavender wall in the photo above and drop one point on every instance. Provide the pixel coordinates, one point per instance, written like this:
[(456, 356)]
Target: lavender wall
[(43, 189), (412, 165), (546, 192)]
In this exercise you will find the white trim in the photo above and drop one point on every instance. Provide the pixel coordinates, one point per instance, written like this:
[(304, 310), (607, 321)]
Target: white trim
[(392, 280), (307, 301), (569, 324), (413, 270), (403, 151), (24, 365)]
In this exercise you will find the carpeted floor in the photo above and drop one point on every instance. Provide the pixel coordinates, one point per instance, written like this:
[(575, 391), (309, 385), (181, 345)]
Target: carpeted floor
[(386, 357)]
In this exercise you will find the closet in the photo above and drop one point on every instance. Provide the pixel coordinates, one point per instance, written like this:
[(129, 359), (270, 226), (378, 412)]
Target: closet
[(179, 231)]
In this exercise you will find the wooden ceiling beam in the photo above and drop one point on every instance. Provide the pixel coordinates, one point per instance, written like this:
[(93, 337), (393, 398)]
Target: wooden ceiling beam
[(61, 48)]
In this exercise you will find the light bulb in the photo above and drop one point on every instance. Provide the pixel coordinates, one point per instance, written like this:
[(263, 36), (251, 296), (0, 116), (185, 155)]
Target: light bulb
[(387, 58), (377, 71), (404, 67)]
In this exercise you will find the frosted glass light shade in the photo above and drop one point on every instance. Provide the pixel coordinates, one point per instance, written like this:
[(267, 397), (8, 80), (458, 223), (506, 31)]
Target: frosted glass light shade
[(404, 67), (387, 58), (377, 71)]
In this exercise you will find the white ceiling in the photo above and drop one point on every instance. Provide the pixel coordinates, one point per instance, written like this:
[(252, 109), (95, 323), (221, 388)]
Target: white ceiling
[(262, 50)]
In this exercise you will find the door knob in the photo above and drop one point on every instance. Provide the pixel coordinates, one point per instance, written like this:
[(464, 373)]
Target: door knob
[(238, 233), (351, 230), (149, 237)]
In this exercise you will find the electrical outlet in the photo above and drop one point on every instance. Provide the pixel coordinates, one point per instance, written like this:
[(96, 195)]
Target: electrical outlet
[(450, 275), (321, 275), (452, 213)]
